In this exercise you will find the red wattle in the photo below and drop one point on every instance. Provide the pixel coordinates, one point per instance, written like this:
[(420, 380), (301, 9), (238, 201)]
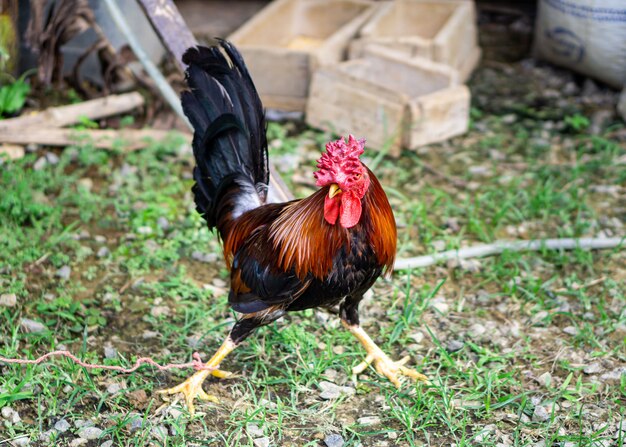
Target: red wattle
[(331, 209), (350, 211)]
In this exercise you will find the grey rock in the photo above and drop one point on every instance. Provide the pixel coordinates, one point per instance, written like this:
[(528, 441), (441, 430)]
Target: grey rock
[(368, 420), (11, 415), (262, 442), (114, 388), (64, 272), (204, 257), (477, 330), (570, 330), (145, 230), (159, 432), (8, 300), (545, 379), (90, 433), (40, 164), (76, 442), (21, 441), (593, 368), (332, 391), (540, 414), (334, 440), (163, 223), (52, 158), (136, 424), (47, 435), (103, 252), (454, 345), (62, 426), (110, 352), (616, 374), (31, 325), (108, 443), (254, 431)]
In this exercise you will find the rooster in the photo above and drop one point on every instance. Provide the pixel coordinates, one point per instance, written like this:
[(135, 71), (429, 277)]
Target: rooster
[(322, 251)]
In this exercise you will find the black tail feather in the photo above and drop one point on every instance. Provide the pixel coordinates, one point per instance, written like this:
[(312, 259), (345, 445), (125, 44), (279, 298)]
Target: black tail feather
[(229, 144)]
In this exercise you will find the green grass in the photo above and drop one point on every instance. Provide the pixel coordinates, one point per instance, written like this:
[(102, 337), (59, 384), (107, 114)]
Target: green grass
[(528, 324)]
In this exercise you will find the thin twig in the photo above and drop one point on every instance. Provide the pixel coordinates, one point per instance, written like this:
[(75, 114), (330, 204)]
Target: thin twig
[(498, 247)]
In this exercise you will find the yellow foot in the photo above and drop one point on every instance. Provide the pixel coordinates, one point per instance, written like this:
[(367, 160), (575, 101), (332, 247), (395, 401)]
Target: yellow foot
[(190, 389), (389, 368)]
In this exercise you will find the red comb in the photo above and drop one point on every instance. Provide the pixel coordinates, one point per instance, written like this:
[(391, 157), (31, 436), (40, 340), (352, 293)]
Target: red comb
[(340, 156)]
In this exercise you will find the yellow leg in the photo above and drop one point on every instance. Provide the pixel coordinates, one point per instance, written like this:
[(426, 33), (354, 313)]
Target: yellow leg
[(383, 364), (192, 387)]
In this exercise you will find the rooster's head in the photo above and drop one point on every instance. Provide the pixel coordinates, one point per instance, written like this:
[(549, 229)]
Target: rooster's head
[(347, 179)]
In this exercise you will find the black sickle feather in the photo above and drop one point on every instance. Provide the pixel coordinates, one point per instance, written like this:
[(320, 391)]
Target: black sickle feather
[(229, 145)]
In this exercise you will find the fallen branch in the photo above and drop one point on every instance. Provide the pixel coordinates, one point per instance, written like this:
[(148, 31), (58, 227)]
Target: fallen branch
[(480, 251), (127, 139), (72, 114)]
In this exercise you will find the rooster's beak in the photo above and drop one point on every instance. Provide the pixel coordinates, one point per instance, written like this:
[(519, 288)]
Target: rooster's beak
[(334, 190)]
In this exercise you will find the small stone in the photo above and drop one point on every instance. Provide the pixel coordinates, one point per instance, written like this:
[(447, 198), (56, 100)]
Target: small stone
[(545, 379), (540, 414), (114, 388), (159, 432), (339, 349), (616, 374), (108, 443), (64, 272), (439, 304), (454, 345), (368, 420), (159, 311), (136, 424), (439, 245), (86, 183), (11, 415), (12, 151), (418, 337), (62, 426), (145, 230), (332, 391), (163, 223), (22, 441), (90, 433), (40, 164), (149, 334), (570, 330), (110, 352), (103, 252), (476, 330), (262, 442), (254, 430), (8, 300), (593, 368), (204, 257), (334, 440), (52, 158), (32, 326), (78, 442), (47, 435), (174, 412)]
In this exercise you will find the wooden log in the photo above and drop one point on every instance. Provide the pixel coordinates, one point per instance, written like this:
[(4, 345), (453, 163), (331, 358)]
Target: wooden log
[(124, 139), (71, 114)]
